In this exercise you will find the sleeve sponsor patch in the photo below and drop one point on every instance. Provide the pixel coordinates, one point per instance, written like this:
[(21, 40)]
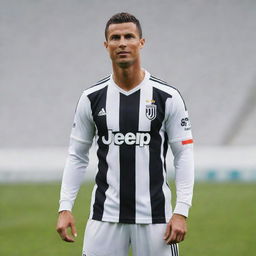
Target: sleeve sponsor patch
[(185, 123)]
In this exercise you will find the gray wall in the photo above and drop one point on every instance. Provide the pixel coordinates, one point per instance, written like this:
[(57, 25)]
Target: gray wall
[(50, 51)]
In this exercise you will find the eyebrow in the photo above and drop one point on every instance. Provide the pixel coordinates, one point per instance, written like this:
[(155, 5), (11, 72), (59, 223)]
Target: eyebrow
[(126, 34)]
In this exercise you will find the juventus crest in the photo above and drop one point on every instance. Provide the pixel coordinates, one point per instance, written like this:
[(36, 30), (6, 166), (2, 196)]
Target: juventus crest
[(151, 112)]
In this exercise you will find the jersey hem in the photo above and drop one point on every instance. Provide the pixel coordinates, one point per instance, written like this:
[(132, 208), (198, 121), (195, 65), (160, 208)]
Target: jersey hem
[(133, 221)]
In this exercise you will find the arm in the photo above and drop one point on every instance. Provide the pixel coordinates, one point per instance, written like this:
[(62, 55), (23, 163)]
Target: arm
[(180, 139), (76, 164)]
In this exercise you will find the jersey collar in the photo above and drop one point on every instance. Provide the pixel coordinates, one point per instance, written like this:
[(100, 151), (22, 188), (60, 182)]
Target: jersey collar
[(136, 88)]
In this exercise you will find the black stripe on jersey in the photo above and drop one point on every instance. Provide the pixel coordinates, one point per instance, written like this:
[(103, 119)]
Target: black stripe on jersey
[(98, 101), (160, 80), (102, 81), (152, 78), (128, 122), (155, 162)]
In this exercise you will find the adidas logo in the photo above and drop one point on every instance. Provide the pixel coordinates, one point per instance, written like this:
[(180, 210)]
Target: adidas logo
[(102, 112)]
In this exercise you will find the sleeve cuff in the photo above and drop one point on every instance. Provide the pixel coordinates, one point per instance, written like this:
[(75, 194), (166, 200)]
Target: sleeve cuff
[(65, 205), (182, 209)]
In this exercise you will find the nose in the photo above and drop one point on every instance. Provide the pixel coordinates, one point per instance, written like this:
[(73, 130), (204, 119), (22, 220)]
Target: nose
[(122, 42)]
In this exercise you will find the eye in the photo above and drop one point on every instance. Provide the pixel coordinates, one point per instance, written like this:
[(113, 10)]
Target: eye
[(115, 37), (129, 36)]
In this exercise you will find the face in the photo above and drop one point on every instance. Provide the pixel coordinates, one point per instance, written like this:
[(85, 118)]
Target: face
[(124, 44)]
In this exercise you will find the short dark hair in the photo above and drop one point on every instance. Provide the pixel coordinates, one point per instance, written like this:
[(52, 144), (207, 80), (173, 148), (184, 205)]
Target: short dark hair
[(123, 17)]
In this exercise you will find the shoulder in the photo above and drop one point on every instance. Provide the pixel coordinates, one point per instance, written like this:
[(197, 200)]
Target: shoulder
[(163, 86), (97, 86), (84, 97)]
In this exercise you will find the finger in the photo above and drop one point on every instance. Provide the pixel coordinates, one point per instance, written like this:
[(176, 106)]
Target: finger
[(183, 236), (167, 231), (64, 236), (172, 238), (73, 230), (180, 238), (68, 239)]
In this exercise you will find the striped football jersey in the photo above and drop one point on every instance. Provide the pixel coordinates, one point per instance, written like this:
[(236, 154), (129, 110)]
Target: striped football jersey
[(132, 130)]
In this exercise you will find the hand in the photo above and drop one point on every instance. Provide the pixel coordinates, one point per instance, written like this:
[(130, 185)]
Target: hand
[(176, 229), (65, 221)]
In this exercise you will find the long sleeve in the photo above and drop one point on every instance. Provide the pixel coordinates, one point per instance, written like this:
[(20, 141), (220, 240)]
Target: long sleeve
[(77, 161), (76, 164), (180, 139), (184, 176)]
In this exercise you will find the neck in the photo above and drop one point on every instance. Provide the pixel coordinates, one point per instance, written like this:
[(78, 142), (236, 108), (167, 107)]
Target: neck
[(128, 78)]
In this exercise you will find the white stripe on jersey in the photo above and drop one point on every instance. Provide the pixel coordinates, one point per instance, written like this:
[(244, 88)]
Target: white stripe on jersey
[(92, 200), (113, 175), (143, 204)]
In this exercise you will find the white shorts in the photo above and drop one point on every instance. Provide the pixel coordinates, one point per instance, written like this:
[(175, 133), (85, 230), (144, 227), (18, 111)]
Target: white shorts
[(114, 239)]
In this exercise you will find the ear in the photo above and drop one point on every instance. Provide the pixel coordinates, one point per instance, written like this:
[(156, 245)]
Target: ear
[(142, 43), (106, 44)]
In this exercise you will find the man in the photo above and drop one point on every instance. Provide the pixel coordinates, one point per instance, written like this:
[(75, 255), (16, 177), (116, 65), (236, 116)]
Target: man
[(133, 117)]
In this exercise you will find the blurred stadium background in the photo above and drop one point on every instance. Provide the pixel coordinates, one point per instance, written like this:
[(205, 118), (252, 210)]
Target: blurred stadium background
[(50, 51)]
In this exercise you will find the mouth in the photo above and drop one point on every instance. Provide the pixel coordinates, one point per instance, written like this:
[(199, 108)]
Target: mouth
[(122, 53)]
